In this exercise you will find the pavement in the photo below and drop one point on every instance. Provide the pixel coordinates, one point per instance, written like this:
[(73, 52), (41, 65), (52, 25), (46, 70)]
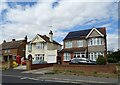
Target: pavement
[(21, 67), (40, 71)]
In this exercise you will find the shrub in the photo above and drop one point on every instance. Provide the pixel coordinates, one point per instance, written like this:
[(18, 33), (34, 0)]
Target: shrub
[(112, 60), (101, 60)]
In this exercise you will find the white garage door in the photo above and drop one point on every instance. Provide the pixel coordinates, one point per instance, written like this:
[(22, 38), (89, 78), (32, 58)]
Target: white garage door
[(51, 59)]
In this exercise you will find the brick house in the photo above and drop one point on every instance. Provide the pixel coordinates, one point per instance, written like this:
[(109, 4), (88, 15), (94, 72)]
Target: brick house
[(13, 48), (84, 44), (43, 48)]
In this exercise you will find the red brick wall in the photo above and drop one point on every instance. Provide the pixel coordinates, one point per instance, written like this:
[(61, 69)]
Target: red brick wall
[(38, 66), (88, 68)]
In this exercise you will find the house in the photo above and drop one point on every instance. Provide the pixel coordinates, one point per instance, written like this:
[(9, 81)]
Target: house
[(13, 48), (84, 44), (43, 48)]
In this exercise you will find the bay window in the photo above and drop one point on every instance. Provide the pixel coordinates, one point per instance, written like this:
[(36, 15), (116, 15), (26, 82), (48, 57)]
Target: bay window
[(95, 41), (94, 55)]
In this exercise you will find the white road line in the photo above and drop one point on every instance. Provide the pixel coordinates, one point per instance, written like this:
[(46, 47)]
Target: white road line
[(34, 79), (29, 78), (24, 78), (12, 76)]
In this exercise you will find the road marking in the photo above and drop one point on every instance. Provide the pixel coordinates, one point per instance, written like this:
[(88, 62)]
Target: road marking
[(12, 76), (24, 78), (34, 79), (29, 78)]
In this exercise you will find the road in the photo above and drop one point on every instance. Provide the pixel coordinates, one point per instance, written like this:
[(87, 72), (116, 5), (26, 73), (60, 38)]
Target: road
[(10, 77)]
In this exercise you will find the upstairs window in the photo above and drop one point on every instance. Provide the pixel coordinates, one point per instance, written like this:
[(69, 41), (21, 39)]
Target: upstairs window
[(39, 45), (95, 41), (29, 47), (68, 44), (7, 51), (80, 43)]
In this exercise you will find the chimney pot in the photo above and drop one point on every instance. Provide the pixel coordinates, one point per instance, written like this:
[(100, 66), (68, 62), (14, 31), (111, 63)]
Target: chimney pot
[(13, 39), (4, 41)]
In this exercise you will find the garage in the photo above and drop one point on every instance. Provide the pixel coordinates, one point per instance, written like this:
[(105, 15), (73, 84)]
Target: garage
[(51, 59)]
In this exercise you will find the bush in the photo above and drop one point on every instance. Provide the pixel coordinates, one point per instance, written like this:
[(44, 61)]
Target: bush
[(101, 60), (112, 60)]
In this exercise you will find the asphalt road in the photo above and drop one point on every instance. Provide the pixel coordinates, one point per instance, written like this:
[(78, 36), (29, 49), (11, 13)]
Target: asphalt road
[(10, 77), (9, 80)]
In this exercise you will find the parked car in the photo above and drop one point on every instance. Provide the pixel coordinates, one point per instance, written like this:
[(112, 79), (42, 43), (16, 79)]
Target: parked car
[(78, 60), (74, 61), (39, 62), (82, 61)]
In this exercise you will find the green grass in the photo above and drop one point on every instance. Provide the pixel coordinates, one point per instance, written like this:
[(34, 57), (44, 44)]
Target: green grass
[(82, 73)]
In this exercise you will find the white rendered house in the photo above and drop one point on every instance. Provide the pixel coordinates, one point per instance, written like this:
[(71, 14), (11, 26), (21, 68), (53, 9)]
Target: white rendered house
[(43, 48)]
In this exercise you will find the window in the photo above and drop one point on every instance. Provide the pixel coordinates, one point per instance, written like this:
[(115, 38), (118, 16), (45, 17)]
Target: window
[(79, 55), (29, 47), (94, 55), (95, 41), (39, 57), (68, 44), (39, 45), (80, 43), (67, 56), (7, 51)]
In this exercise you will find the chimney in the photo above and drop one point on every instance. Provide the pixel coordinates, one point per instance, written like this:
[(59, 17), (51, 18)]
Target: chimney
[(51, 36), (26, 38), (13, 39), (4, 41)]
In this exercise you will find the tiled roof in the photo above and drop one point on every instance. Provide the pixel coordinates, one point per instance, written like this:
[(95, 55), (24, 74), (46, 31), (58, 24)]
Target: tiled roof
[(82, 33), (73, 49), (12, 44), (47, 39)]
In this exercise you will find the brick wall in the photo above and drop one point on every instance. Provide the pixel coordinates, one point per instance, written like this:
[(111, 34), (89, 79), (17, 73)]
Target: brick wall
[(111, 68), (38, 66)]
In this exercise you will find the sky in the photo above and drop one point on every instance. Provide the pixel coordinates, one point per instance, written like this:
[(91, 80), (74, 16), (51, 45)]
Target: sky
[(31, 17)]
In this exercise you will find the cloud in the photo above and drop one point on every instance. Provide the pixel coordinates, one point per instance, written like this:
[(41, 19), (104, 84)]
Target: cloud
[(37, 19), (112, 41)]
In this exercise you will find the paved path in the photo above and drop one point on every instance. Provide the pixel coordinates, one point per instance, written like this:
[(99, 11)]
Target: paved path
[(21, 67), (40, 71)]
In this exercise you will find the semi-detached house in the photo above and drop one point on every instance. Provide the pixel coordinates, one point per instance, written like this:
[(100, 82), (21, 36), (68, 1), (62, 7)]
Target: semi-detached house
[(89, 43)]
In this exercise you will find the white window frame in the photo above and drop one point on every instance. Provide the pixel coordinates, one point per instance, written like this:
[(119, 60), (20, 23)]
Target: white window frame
[(39, 45), (67, 56), (94, 55), (80, 43), (39, 57), (79, 54), (95, 41), (29, 47), (68, 44)]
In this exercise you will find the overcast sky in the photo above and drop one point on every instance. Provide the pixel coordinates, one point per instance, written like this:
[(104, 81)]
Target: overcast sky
[(18, 19)]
